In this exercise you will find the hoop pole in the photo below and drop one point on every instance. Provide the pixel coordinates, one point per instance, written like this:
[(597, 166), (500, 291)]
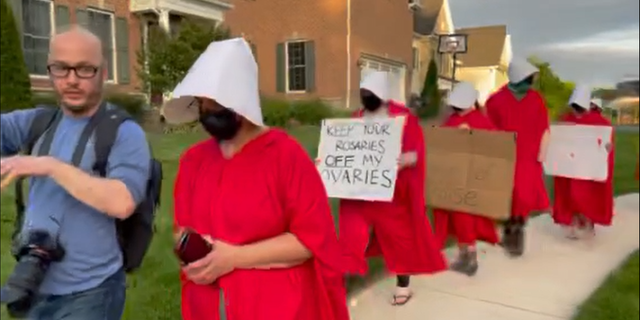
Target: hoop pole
[(453, 70)]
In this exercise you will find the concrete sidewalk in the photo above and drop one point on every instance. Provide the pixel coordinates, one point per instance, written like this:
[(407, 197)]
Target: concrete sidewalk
[(553, 278)]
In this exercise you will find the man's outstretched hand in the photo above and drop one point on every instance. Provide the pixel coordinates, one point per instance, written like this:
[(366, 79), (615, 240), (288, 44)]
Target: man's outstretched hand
[(22, 166)]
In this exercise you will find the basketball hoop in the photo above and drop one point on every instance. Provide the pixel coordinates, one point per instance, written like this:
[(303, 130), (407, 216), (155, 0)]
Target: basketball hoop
[(452, 43)]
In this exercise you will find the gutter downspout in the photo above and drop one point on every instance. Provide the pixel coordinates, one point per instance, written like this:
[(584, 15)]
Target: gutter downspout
[(348, 102)]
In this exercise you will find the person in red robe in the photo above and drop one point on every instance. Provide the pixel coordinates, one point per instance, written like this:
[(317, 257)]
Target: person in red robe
[(255, 194), (579, 205), (518, 108), (466, 228), (398, 230)]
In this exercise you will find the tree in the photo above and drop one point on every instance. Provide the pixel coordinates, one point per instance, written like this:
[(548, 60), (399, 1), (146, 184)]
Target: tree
[(430, 95), (15, 87), (168, 57), (556, 92)]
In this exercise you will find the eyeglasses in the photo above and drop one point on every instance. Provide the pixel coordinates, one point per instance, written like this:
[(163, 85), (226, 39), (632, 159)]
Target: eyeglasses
[(82, 72)]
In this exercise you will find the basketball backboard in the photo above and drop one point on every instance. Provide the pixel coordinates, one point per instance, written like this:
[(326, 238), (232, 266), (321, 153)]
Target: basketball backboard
[(452, 43)]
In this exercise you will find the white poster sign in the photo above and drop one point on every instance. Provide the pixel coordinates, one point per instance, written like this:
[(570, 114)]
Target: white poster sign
[(578, 152), (358, 158)]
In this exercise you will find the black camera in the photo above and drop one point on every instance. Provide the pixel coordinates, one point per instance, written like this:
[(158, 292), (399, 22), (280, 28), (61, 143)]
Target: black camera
[(34, 251)]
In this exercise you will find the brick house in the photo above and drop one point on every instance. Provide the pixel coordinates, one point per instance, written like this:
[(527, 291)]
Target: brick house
[(108, 19), (321, 49)]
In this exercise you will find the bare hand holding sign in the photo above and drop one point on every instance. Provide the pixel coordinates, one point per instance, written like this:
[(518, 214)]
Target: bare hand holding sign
[(358, 158)]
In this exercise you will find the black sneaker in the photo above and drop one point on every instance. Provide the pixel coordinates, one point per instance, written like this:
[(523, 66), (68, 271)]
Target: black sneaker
[(467, 263), (519, 239), (508, 236)]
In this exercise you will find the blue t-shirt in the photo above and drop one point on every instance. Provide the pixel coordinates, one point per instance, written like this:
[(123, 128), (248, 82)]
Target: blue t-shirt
[(87, 235)]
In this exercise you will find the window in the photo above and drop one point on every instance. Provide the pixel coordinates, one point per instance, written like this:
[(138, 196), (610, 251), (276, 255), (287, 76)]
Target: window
[(102, 25), (296, 66), (36, 34)]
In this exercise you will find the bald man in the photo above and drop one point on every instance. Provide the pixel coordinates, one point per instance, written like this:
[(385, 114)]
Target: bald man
[(73, 204)]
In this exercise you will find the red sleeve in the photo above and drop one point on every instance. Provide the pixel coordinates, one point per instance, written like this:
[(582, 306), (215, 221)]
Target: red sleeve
[(181, 200), (543, 121), (180, 196), (412, 138), (306, 206), (195, 299), (491, 108), (486, 122), (413, 141)]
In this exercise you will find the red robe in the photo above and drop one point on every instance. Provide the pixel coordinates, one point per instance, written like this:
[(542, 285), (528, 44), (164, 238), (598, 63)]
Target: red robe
[(529, 119), (401, 230), (270, 187), (466, 228), (592, 199)]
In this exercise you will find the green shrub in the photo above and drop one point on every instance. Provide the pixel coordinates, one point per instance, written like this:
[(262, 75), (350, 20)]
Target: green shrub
[(43, 99), (430, 93), (311, 112), (281, 113), (342, 113), (15, 86), (168, 57), (134, 104), (276, 112)]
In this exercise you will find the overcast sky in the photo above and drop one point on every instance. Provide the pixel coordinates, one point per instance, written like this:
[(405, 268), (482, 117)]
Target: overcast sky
[(588, 41)]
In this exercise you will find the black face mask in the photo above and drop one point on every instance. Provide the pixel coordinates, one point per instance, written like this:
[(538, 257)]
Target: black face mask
[(529, 80), (577, 109), (222, 125), (371, 102)]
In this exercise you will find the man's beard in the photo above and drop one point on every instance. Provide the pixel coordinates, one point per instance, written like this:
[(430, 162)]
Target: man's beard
[(92, 99)]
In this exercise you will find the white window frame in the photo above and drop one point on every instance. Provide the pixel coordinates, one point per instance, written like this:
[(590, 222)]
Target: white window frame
[(286, 63), (52, 21), (114, 43), (416, 58)]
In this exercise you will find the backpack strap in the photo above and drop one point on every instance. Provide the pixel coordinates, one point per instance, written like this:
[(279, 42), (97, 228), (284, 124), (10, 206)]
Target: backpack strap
[(103, 126), (44, 123), (106, 133)]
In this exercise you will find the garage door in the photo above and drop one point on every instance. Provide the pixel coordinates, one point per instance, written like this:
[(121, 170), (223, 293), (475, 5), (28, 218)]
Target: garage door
[(397, 90)]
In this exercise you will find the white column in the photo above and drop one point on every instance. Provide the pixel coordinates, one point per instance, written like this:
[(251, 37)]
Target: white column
[(163, 20)]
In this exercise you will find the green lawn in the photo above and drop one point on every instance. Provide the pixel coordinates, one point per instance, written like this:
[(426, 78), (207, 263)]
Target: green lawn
[(618, 298), (154, 290)]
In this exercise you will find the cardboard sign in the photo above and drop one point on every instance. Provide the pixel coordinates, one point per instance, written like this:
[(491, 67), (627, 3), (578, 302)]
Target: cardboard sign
[(578, 152), (470, 171), (359, 157)]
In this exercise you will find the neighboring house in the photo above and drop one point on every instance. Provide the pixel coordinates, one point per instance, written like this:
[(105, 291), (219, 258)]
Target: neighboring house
[(487, 59), (431, 18), (322, 49), (630, 86), (626, 102), (110, 20)]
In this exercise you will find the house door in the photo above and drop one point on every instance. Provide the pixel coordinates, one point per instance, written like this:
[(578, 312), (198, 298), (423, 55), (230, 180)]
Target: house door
[(397, 77)]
